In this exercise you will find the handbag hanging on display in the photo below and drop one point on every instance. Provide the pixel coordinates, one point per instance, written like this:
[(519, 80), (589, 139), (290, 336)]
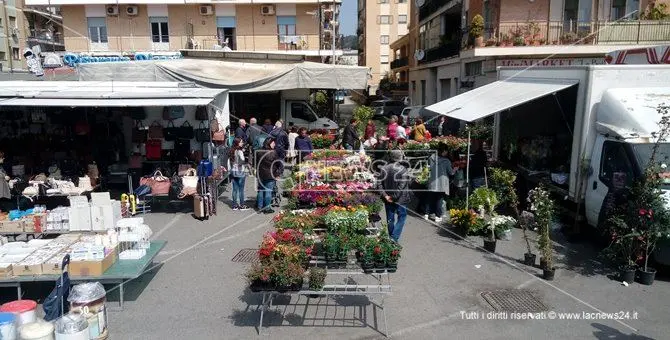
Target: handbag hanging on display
[(170, 132), (218, 134), (173, 112), (139, 134), (185, 131), (182, 148), (202, 133), (154, 149), (156, 130), (201, 113)]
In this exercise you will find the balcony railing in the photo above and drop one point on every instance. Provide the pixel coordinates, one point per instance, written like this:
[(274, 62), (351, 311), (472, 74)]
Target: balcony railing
[(45, 36), (430, 7), (446, 50), (574, 32), (401, 62)]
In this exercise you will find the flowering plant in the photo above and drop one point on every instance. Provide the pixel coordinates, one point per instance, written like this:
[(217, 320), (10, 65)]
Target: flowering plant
[(321, 141), (502, 222), (414, 145), (484, 198), (465, 219), (350, 219), (543, 207), (352, 186), (452, 143), (423, 175), (278, 272), (329, 154)]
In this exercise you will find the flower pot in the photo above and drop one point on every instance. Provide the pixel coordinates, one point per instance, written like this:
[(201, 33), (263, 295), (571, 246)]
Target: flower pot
[(529, 259), (646, 277), (295, 287), (627, 274), (504, 235), (380, 266), (367, 267), (259, 286), (548, 274), (490, 245), (391, 267), (375, 218), (543, 263), (479, 42)]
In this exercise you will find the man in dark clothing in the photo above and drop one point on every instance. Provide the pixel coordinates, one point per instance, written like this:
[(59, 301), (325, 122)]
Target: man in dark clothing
[(477, 165), (253, 131), (267, 176), (350, 135), (281, 145), (394, 186), (241, 131), (267, 126)]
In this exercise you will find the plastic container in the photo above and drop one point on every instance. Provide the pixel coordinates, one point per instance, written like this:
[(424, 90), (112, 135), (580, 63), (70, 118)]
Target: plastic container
[(7, 326), (72, 326), (39, 330), (24, 309), (89, 300)]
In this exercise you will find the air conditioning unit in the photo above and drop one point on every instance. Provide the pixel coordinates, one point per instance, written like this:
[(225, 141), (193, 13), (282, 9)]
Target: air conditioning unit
[(206, 10), (14, 30), (419, 54), (267, 10), (132, 11), (112, 10)]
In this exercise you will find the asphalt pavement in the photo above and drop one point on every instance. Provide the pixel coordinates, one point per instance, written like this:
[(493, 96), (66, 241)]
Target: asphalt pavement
[(197, 292)]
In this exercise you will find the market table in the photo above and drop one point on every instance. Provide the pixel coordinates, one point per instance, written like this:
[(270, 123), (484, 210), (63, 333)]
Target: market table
[(119, 273)]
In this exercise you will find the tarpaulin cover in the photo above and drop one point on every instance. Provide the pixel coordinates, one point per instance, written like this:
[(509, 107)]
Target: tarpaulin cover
[(236, 76)]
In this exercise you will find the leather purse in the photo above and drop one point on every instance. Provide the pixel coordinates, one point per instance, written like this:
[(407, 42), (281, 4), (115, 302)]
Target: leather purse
[(154, 149), (139, 134), (201, 113), (173, 112), (170, 132), (156, 130), (159, 184), (185, 131), (202, 133)]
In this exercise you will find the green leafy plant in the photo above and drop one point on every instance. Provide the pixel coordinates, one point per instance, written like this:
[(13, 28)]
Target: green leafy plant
[(317, 278), (362, 114), (656, 11), (542, 206), (477, 26), (484, 198)]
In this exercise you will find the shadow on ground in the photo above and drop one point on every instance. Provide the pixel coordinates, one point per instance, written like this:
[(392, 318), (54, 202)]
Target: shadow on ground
[(603, 332)]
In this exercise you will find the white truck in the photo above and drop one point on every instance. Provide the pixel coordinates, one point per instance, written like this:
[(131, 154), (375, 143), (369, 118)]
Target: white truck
[(294, 106)]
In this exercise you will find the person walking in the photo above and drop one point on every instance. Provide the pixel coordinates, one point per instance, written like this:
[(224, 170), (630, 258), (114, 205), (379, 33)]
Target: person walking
[(350, 135), (438, 183), (370, 130), (477, 166), (253, 131), (442, 129), (303, 144), (392, 128), (267, 176), (238, 174), (401, 132), (394, 187), (419, 131), (291, 154), (241, 131), (267, 126)]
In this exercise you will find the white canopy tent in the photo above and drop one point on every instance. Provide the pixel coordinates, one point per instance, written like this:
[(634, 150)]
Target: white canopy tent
[(490, 99), (235, 76)]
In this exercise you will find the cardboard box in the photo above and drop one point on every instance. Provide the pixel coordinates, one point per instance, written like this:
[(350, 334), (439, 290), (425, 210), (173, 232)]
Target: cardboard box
[(93, 268), (16, 226), (6, 270), (35, 223), (49, 268), (25, 270)]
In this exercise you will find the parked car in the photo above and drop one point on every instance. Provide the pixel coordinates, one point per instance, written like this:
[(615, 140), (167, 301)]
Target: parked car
[(387, 108), (339, 97), (430, 118)]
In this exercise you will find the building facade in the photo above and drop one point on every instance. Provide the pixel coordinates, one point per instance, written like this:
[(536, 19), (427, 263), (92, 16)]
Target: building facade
[(447, 61), (14, 31), (100, 27), (380, 22)]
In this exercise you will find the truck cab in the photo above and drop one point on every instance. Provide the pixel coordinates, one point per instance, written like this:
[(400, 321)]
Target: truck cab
[(296, 111)]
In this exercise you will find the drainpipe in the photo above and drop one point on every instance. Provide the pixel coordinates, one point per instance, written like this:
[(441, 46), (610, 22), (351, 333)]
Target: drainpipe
[(9, 53)]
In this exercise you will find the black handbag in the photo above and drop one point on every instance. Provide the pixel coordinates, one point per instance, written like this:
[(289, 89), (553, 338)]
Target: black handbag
[(139, 134), (182, 148), (201, 113), (202, 133), (170, 132), (185, 131)]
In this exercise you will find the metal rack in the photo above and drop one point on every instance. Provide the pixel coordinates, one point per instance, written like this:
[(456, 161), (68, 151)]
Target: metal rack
[(382, 288)]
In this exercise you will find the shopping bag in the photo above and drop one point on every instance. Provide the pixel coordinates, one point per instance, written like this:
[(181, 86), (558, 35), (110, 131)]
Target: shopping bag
[(153, 149), (201, 113), (190, 179), (160, 185), (185, 131), (139, 134), (173, 112), (202, 132), (170, 132), (156, 130)]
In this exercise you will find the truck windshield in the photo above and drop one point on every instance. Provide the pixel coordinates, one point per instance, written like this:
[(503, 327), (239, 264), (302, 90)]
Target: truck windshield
[(643, 154)]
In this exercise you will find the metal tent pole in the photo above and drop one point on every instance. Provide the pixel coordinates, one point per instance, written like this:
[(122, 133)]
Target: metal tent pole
[(467, 174)]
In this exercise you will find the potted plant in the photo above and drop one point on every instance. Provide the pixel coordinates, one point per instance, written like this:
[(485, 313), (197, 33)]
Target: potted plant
[(367, 254), (258, 277), (331, 248), (490, 42), (519, 41), (477, 30), (568, 38), (464, 221), (317, 278), (527, 221), (485, 200), (543, 207), (506, 40), (623, 246), (380, 256), (393, 255), (503, 226)]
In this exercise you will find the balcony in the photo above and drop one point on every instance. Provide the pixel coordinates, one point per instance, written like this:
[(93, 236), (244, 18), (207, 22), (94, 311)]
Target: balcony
[(398, 63), (446, 50), (432, 6), (578, 33), (44, 36)]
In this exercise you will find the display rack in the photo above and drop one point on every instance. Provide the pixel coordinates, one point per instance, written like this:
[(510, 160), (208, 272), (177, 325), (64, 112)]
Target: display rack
[(382, 288)]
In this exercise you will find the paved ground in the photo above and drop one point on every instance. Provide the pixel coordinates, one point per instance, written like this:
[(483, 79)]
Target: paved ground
[(198, 293)]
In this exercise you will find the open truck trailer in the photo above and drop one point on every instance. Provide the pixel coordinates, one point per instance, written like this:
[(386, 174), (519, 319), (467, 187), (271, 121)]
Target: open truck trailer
[(584, 132)]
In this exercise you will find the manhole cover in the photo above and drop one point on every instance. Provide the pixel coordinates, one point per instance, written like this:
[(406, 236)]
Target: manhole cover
[(246, 255), (514, 301)]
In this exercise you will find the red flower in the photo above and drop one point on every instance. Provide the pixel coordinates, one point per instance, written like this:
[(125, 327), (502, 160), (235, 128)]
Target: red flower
[(378, 250), (651, 213), (308, 251), (395, 252), (643, 212), (265, 278)]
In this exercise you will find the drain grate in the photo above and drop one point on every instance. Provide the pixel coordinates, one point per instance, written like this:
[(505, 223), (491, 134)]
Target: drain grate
[(247, 255), (514, 301)]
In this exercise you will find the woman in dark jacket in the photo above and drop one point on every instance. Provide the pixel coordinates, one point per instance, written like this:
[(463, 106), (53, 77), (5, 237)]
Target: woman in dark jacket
[(303, 144), (267, 175)]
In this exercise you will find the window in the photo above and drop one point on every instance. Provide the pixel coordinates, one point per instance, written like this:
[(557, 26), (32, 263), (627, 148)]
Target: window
[(473, 69), (299, 111), (402, 18), (159, 30), (384, 39), (12, 22), (97, 30), (423, 92), (3, 56), (624, 8), (384, 59), (615, 165), (382, 1), (225, 31), (401, 1), (384, 19), (286, 29), (15, 53)]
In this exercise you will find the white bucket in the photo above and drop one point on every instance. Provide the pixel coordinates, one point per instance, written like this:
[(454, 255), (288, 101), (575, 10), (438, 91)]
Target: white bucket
[(72, 327), (40, 330), (24, 309), (7, 326)]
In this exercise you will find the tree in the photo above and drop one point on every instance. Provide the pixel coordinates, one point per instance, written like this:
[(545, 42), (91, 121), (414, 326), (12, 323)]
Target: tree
[(350, 42)]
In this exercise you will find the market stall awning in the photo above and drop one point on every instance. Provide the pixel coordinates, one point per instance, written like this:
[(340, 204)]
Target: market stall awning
[(104, 94), (501, 95), (233, 75)]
